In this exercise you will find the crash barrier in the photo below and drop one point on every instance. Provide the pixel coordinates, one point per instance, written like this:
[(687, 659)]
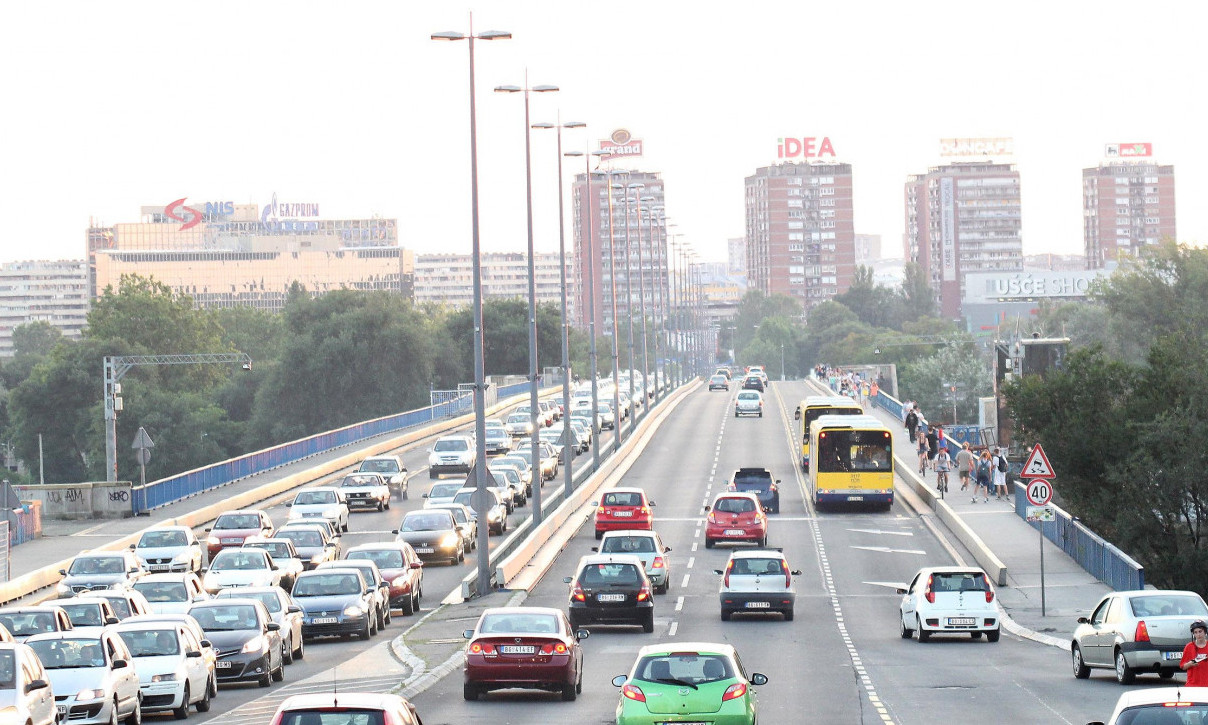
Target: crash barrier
[(74, 501), (47, 576), (1093, 553), (190, 483)]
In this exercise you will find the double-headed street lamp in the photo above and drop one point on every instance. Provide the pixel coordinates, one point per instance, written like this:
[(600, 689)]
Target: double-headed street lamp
[(483, 581), (532, 286)]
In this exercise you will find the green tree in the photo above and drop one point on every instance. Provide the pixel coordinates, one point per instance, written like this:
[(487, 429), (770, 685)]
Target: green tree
[(929, 382), (918, 298)]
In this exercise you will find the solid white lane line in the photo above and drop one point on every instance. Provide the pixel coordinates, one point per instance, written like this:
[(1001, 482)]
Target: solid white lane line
[(887, 550), (882, 531)]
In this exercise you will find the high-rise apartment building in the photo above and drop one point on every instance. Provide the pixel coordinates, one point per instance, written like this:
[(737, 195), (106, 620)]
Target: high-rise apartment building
[(620, 252), (800, 230), (55, 292), (960, 218), (736, 255), (224, 254), (1126, 206), (449, 278)]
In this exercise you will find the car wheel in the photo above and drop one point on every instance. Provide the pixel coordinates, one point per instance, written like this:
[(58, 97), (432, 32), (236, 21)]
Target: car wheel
[(763, 543), (975, 635), (924, 635), (599, 534), (265, 680), (993, 635), (367, 632), (388, 615), (1166, 674), (381, 506), (902, 629), (761, 414), (344, 528), (408, 605), (301, 651), (203, 705), (708, 543), (279, 674), (373, 623), (469, 691), (574, 621), (136, 717), (568, 693), (182, 712), (113, 713), (725, 615), (788, 615), (1124, 673), (431, 473), (648, 621), (1081, 671), (662, 588), (287, 652)]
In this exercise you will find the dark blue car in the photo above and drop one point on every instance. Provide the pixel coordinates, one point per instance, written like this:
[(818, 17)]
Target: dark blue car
[(335, 602)]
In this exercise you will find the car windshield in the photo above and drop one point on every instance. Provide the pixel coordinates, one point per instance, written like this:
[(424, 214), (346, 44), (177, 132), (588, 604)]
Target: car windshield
[(333, 716), (384, 558), (97, 565), (451, 444), (238, 559), (156, 539), (384, 465), (687, 668), (754, 567), (759, 485), (420, 521), (444, 490), (355, 481), (151, 642), (328, 585), (748, 396), (459, 515), (310, 498), (237, 521), (226, 618), (301, 537), (65, 654), (1158, 605), (734, 505), (622, 499), (719, 378), (270, 600), (8, 670), (597, 575), (518, 418), (507, 622), (24, 624), (87, 614), (627, 545), (276, 549), (161, 592)]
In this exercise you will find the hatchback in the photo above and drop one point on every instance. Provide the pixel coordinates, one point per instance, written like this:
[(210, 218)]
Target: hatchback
[(753, 382), (25, 692), (172, 671), (623, 508), (340, 708), (169, 548), (748, 402), (1136, 632), (719, 382), (432, 534), (283, 610), (171, 593), (93, 677), (757, 581), (524, 647), (611, 589), (688, 682), (320, 503), (335, 602), (645, 545), (736, 517), (400, 566), (949, 600), (233, 527), (240, 568), (1159, 705)]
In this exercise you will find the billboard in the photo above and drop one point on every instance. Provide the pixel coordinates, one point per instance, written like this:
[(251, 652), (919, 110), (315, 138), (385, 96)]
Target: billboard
[(1128, 150), (1002, 146), (621, 143), (947, 229)]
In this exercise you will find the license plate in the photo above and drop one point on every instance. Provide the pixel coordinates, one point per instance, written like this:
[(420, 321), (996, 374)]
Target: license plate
[(733, 532), (311, 515), (324, 620), (62, 709), (855, 498), (232, 541), (222, 665), (610, 597), (1172, 655), (424, 550), (158, 567), (758, 605), (963, 622), (511, 649), (622, 513)]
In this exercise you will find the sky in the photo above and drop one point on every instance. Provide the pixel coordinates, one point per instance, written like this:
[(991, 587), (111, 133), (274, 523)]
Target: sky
[(107, 107)]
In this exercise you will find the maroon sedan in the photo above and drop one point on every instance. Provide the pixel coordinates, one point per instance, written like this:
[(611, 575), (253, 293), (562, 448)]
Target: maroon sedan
[(400, 566), (532, 648), (232, 528)]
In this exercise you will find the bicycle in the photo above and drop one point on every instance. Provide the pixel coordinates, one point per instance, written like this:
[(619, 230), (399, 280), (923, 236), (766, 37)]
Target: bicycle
[(941, 480)]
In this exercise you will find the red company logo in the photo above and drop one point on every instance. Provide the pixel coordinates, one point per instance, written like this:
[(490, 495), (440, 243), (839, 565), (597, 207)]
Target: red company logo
[(806, 148), (171, 211), (621, 143)]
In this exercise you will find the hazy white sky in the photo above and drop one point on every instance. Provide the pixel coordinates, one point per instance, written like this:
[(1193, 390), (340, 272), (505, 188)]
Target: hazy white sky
[(111, 106)]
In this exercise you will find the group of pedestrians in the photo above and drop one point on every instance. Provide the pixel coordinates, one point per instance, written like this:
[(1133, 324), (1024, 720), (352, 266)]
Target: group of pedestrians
[(986, 471), (855, 385)]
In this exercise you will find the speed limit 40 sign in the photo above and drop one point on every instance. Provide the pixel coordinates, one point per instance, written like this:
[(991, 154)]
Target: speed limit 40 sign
[(1039, 492)]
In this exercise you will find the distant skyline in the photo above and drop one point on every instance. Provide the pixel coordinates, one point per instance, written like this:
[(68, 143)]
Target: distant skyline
[(109, 107)]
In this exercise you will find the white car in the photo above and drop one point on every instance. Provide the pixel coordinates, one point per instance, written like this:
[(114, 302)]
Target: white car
[(757, 580), (367, 490), (320, 503), (645, 545), (241, 568), (172, 671), (169, 548), (1161, 705), (441, 493), (285, 557), (948, 600), (451, 454), (25, 692), (91, 674), (497, 514), (392, 467), (87, 614), (748, 402), (171, 593), (518, 424)]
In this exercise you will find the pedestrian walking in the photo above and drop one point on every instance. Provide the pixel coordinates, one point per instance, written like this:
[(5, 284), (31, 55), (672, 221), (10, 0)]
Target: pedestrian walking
[(912, 421), (1195, 656), (964, 465), (983, 475), (1000, 475), (933, 445)]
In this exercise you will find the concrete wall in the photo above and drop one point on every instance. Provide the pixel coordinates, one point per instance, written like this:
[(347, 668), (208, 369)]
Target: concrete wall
[(96, 500)]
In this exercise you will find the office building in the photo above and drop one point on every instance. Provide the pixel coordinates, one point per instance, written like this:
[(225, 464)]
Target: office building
[(448, 279), (55, 292), (800, 231), (1127, 205), (961, 218)]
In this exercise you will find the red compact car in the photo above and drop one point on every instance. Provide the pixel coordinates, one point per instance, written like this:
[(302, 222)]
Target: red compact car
[(623, 508), (400, 566), (232, 528), (532, 648), (736, 516)]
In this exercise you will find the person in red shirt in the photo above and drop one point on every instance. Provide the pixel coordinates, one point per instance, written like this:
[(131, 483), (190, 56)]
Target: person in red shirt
[(1195, 656)]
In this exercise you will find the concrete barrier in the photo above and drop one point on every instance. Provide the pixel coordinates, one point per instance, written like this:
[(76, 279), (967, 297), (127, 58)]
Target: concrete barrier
[(72, 501)]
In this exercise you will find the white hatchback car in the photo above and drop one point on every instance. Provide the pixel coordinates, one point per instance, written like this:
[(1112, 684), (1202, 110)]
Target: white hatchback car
[(748, 402), (25, 691), (451, 454), (645, 545), (948, 600), (172, 670), (1161, 705), (756, 581), (171, 593), (320, 503)]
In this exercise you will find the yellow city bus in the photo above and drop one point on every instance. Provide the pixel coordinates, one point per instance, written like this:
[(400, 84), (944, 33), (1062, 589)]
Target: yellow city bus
[(811, 409), (853, 460)]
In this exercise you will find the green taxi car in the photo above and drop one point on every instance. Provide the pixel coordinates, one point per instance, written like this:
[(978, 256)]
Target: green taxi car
[(687, 682)]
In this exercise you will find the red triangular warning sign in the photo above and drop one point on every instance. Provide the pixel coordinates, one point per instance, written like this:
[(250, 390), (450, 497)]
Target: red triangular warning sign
[(1037, 465)]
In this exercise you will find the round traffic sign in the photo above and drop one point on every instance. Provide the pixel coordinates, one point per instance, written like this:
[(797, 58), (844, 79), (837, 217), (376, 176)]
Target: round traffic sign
[(1039, 492)]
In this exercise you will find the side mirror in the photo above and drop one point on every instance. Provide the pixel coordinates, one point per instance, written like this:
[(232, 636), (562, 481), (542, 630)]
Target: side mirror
[(619, 680), (330, 545), (796, 572), (653, 504), (293, 609), (291, 503), (706, 507), (62, 572), (582, 634), (900, 591), (272, 627), (198, 598), (718, 572), (383, 585), (369, 590), (568, 579), (132, 570), (207, 530), (195, 543), (759, 678), (777, 480), (395, 531), (132, 547), (207, 643), (111, 620), (595, 549), (595, 503), (467, 633), (36, 685), (119, 664), (1083, 620), (193, 653), (418, 565), (424, 496)]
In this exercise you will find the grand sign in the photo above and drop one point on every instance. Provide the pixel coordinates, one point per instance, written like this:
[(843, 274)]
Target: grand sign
[(621, 143), (288, 210), (1019, 286), (807, 147)]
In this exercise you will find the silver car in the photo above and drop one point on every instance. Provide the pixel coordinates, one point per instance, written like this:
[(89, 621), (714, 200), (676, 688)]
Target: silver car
[(1136, 632), (25, 691), (748, 402), (169, 549), (645, 545)]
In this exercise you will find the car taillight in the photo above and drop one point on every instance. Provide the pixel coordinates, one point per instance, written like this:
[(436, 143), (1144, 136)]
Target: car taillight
[(576, 593), (788, 577), (1142, 633), (930, 595), (645, 510), (989, 589), (644, 593), (601, 511), (712, 517), (480, 648), (551, 648), (633, 693), (726, 581), (735, 691), (658, 563)]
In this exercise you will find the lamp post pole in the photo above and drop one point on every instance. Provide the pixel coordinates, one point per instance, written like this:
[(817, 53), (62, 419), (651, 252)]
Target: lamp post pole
[(587, 252), (642, 306), (483, 582), (628, 299), (616, 355)]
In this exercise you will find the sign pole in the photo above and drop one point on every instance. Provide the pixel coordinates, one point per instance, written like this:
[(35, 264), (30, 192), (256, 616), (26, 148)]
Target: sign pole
[(1041, 532)]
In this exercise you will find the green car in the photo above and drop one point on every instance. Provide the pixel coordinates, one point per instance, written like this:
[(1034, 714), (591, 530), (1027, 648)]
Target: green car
[(687, 682)]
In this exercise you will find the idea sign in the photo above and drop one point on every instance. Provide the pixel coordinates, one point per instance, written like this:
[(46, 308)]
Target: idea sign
[(808, 147)]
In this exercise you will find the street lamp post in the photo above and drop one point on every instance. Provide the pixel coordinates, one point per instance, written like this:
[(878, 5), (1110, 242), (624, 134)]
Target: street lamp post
[(628, 189), (483, 581), (534, 411), (616, 355), (642, 302)]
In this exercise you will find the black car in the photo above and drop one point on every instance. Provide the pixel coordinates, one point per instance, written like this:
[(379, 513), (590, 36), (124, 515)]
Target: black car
[(758, 481), (234, 627), (335, 602), (372, 578), (433, 534), (752, 382), (611, 589), (312, 545)]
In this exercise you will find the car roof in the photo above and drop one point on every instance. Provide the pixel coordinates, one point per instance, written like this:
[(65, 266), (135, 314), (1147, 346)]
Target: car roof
[(593, 559), (630, 532), (166, 527), (256, 590), (224, 602), (127, 625), (1151, 592), (242, 511), (376, 546), (1151, 695), (627, 489), (664, 648), (349, 699), (757, 554), (380, 458), (328, 570), (81, 633), (736, 494), (954, 570), (31, 609)]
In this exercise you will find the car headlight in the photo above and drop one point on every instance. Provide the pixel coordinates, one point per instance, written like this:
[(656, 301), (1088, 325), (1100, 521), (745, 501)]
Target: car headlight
[(182, 556), (255, 644), (170, 677), (353, 611), (90, 694), (62, 588), (449, 539), (493, 514), (399, 581), (318, 558), (213, 541)]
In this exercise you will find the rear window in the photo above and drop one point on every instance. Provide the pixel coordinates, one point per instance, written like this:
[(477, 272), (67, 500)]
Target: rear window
[(688, 667), (748, 396), (755, 484), (628, 545), (734, 505), (384, 558), (1158, 605), (1161, 712), (160, 592), (755, 567), (607, 574), (964, 581), (333, 716), (452, 444), (622, 499)]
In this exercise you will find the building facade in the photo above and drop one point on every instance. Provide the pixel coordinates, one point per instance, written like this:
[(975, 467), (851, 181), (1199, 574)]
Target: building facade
[(224, 254), (55, 292), (963, 218), (800, 231), (622, 247), (448, 279), (1126, 206)]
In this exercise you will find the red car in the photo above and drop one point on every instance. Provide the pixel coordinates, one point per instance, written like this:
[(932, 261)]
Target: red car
[(624, 508), (736, 516), (532, 648), (232, 528), (400, 566)]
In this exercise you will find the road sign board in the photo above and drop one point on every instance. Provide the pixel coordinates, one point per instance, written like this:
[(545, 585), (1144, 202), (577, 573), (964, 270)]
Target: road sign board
[(143, 455), (1039, 492), (1037, 465), (142, 440), (1041, 513)]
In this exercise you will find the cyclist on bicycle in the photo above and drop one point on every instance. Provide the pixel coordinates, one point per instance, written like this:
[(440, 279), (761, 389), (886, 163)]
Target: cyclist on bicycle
[(943, 464)]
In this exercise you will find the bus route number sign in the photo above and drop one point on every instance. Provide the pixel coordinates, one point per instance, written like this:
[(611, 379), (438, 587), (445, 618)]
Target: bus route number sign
[(1039, 492)]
